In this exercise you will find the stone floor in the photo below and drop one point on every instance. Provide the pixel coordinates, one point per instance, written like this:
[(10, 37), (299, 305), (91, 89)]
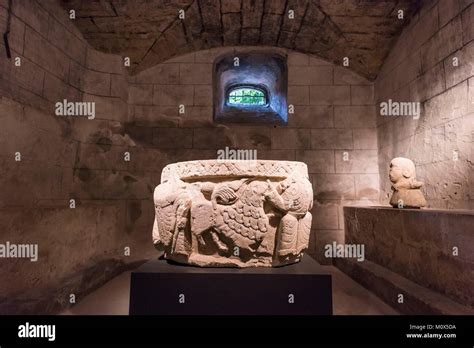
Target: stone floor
[(348, 298)]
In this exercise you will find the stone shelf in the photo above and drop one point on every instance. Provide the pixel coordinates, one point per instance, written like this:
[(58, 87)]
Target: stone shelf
[(432, 248)]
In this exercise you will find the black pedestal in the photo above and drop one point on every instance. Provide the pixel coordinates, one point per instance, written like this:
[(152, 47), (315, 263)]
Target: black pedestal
[(162, 288)]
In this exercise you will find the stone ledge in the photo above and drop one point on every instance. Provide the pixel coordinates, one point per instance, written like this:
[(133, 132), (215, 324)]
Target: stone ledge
[(418, 211), (388, 285), (431, 247)]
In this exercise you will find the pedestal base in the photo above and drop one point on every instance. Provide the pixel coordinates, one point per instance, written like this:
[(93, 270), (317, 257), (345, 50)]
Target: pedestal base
[(161, 288)]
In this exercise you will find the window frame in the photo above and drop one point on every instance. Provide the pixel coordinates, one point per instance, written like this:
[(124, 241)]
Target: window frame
[(264, 69), (259, 87)]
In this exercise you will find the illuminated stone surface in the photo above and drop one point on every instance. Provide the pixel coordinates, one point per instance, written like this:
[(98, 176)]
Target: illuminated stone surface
[(233, 213)]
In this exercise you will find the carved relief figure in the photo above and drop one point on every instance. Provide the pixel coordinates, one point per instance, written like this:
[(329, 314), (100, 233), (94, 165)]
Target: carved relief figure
[(294, 198), (406, 189), (258, 216)]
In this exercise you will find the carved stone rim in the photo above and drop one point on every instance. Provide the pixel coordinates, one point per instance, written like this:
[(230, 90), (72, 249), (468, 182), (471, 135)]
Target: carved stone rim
[(214, 168)]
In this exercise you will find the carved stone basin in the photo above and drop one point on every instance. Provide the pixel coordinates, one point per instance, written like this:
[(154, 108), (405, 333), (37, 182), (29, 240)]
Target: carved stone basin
[(233, 213)]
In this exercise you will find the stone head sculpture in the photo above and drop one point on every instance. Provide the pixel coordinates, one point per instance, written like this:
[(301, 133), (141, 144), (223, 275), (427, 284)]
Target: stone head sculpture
[(406, 189)]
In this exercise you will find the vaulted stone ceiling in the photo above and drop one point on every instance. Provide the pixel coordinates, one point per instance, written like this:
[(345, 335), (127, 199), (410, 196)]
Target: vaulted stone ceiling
[(150, 31)]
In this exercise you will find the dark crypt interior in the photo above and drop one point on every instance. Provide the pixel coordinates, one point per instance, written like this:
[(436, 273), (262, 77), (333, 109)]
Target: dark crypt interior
[(362, 112)]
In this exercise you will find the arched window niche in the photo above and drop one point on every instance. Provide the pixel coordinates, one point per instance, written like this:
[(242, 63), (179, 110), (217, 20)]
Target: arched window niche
[(250, 87)]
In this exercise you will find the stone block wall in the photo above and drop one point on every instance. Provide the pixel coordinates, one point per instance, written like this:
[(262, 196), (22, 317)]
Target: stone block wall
[(333, 130), (432, 63), (56, 61), (334, 117), (64, 158)]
